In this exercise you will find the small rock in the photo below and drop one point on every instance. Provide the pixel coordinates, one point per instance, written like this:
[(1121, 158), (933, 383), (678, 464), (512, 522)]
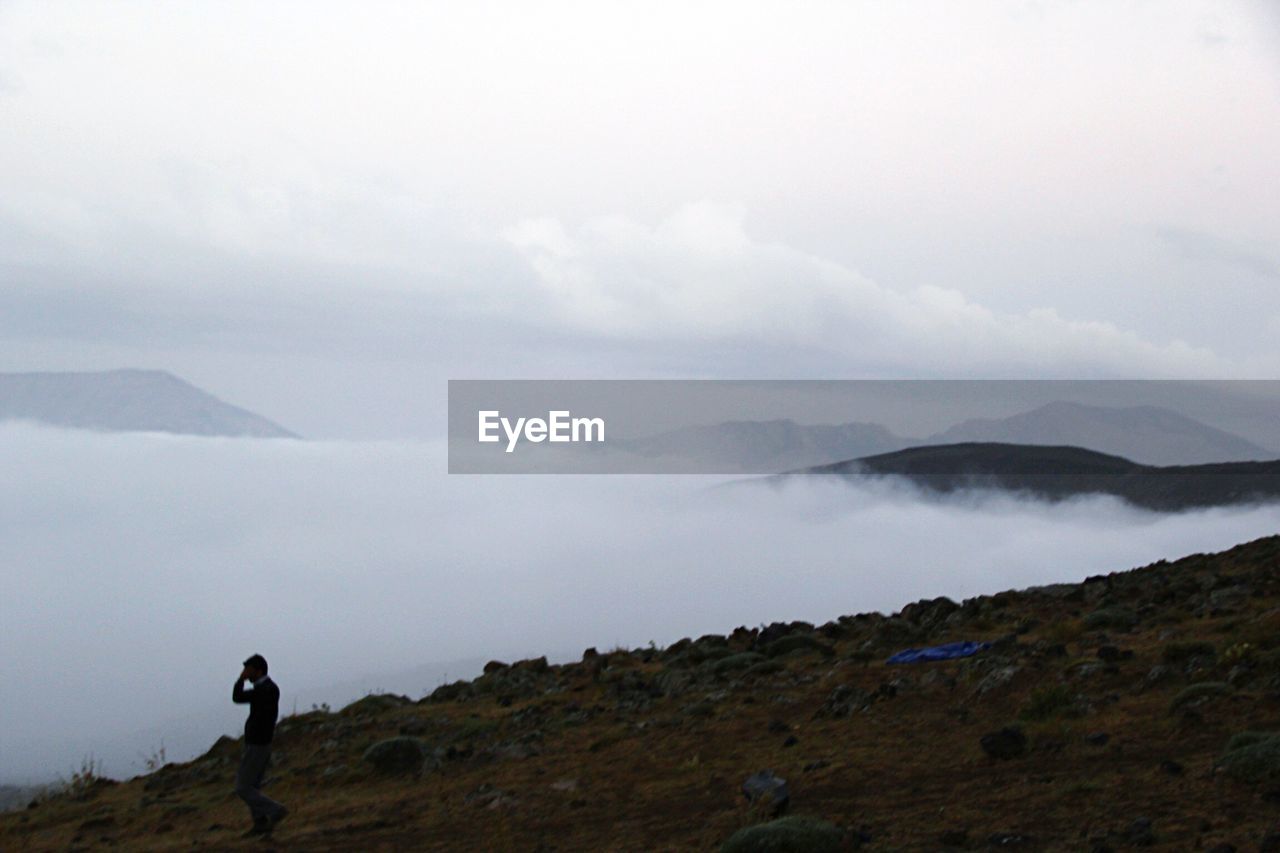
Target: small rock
[(767, 789), (1097, 739), (844, 700), (1110, 654), (997, 679), (1171, 767), (490, 797), (1005, 744), (1140, 833)]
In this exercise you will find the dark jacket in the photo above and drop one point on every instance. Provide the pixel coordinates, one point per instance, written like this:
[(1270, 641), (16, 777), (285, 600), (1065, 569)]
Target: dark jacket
[(264, 706)]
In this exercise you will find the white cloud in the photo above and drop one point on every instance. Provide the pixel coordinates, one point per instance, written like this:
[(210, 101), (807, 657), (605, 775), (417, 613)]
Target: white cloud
[(698, 274)]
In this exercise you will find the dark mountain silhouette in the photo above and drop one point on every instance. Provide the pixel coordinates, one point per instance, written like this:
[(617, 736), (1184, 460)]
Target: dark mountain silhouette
[(1147, 434), (126, 401), (1058, 472)]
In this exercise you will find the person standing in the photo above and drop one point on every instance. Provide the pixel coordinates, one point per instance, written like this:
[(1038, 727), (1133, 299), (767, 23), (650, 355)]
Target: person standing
[(264, 706)]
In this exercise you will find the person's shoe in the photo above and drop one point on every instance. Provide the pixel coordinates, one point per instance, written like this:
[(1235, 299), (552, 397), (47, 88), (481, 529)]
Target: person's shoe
[(276, 818), (260, 827)]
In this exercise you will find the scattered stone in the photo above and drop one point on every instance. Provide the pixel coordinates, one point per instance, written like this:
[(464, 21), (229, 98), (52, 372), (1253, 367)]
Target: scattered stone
[(797, 643), (1171, 767), (1140, 833), (1006, 744), (1097, 739), (816, 764), (489, 797), (733, 663), (778, 630), (1111, 618), (1228, 600), (997, 679), (1181, 653), (374, 703), (98, 822), (844, 700), (929, 613), (954, 838), (1114, 654), (1009, 839), (791, 740), (768, 790), (412, 727), (537, 665)]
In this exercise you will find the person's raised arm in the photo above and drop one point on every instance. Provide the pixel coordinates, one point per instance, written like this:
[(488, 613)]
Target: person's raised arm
[(239, 695)]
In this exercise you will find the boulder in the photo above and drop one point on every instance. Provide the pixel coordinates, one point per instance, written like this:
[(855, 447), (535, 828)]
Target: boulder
[(786, 835), (397, 756)]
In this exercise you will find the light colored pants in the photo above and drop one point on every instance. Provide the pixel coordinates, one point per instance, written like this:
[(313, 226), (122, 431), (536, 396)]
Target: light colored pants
[(252, 765)]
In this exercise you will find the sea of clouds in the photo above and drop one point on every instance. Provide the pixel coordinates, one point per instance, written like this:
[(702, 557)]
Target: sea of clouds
[(139, 570)]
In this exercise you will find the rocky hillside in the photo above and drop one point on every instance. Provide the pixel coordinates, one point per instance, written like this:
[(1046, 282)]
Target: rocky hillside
[(1135, 709)]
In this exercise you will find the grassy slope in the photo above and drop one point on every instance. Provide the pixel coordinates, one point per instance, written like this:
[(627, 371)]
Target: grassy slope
[(646, 750)]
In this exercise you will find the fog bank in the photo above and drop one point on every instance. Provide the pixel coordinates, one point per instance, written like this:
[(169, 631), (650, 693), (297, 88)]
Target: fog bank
[(139, 570)]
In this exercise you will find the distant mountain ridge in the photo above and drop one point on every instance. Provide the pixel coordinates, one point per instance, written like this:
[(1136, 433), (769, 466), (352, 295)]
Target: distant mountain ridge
[(1059, 472), (776, 444), (1147, 434), (127, 400)]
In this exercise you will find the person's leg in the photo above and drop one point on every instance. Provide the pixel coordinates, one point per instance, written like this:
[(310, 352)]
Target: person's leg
[(253, 764)]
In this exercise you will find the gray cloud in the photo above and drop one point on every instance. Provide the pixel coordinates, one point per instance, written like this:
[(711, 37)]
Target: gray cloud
[(1199, 246)]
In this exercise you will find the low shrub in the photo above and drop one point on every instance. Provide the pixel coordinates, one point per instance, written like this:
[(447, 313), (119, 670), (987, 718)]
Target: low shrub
[(793, 834), (1195, 694), (1252, 757)]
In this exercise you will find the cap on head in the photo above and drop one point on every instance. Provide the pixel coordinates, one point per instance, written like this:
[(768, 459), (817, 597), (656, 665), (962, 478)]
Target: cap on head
[(257, 662)]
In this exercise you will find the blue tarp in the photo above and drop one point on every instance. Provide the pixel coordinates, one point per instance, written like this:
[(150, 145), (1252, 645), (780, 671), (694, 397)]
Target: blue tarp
[(946, 651)]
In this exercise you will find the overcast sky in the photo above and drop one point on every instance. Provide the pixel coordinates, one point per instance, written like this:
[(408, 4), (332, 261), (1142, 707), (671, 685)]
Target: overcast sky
[(321, 211)]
